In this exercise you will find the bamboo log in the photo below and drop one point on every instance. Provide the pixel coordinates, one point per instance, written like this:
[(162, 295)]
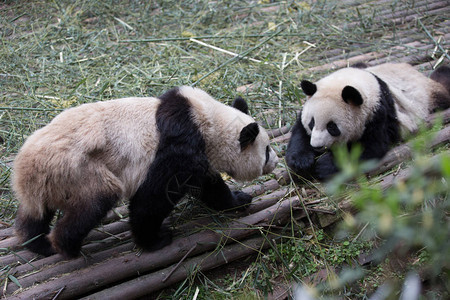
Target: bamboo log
[(404, 152), (25, 256), (257, 205), (147, 284), (92, 253), (342, 63), (282, 138), (9, 241), (443, 115), (279, 131), (130, 265), (91, 258), (6, 232), (67, 266), (404, 174), (386, 182)]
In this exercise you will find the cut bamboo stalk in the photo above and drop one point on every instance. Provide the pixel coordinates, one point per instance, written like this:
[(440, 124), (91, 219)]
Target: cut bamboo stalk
[(109, 229), (92, 257), (92, 253), (147, 284), (130, 265)]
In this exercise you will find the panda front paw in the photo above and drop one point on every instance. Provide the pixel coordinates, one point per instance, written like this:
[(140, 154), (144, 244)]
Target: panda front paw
[(300, 164), (153, 242), (241, 200), (325, 167)]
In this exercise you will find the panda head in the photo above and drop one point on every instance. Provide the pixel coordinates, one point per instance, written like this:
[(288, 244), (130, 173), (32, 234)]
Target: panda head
[(339, 106), (235, 143), (253, 155), (256, 157)]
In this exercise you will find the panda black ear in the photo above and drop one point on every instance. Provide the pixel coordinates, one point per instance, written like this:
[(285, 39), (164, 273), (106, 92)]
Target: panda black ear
[(308, 87), (360, 65), (352, 96), (248, 135), (240, 104)]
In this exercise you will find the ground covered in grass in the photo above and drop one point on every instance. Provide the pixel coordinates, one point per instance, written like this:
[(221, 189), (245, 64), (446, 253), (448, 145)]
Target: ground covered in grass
[(59, 54)]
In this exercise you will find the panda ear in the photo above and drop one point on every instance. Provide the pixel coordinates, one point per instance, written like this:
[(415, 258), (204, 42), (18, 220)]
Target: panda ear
[(352, 96), (308, 87), (240, 104), (360, 65), (248, 135)]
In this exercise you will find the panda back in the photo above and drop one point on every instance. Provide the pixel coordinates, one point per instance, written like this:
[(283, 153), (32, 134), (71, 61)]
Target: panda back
[(412, 92)]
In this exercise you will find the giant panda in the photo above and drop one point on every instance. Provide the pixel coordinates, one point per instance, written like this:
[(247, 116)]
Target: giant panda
[(151, 151), (373, 106)]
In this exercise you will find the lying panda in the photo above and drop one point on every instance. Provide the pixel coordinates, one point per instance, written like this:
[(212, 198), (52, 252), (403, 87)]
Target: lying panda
[(148, 150), (371, 106)]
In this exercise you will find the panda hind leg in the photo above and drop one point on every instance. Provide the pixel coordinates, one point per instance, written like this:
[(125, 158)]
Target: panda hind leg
[(33, 232), (217, 195), (69, 232)]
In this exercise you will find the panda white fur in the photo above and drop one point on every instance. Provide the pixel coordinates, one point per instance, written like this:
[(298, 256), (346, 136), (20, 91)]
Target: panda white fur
[(372, 106), (151, 151)]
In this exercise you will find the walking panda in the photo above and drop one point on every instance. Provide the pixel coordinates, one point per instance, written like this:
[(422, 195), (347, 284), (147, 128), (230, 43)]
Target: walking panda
[(151, 151), (372, 106)]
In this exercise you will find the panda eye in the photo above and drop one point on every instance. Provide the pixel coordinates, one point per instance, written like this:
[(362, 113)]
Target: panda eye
[(267, 154), (333, 129), (311, 124)]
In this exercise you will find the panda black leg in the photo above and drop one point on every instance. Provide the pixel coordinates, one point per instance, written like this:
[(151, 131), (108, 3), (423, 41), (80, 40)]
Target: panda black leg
[(33, 232), (217, 195), (146, 217), (299, 154), (154, 201), (74, 226)]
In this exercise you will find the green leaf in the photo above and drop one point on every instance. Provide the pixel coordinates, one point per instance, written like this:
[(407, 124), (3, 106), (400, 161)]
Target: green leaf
[(14, 279)]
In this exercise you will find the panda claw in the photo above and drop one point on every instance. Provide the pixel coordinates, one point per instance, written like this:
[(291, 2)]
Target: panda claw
[(162, 239), (241, 200)]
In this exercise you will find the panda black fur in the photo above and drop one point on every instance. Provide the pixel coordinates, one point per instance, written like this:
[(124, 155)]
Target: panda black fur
[(151, 151), (372, 106)]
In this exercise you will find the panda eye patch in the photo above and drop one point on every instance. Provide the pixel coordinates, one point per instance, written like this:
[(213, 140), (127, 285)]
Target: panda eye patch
[(333, 129), (311, 124)]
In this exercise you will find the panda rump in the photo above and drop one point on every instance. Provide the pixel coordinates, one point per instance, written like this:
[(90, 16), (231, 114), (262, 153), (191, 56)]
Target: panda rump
[(151, 151)]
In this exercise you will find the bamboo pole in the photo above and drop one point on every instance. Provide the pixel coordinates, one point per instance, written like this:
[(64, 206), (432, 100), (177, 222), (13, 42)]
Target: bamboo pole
[(130, 265), (147, 284)]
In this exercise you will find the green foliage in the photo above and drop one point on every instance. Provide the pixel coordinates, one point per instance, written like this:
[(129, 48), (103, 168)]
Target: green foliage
[(409, 215), (308, 255), (351, 167)]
